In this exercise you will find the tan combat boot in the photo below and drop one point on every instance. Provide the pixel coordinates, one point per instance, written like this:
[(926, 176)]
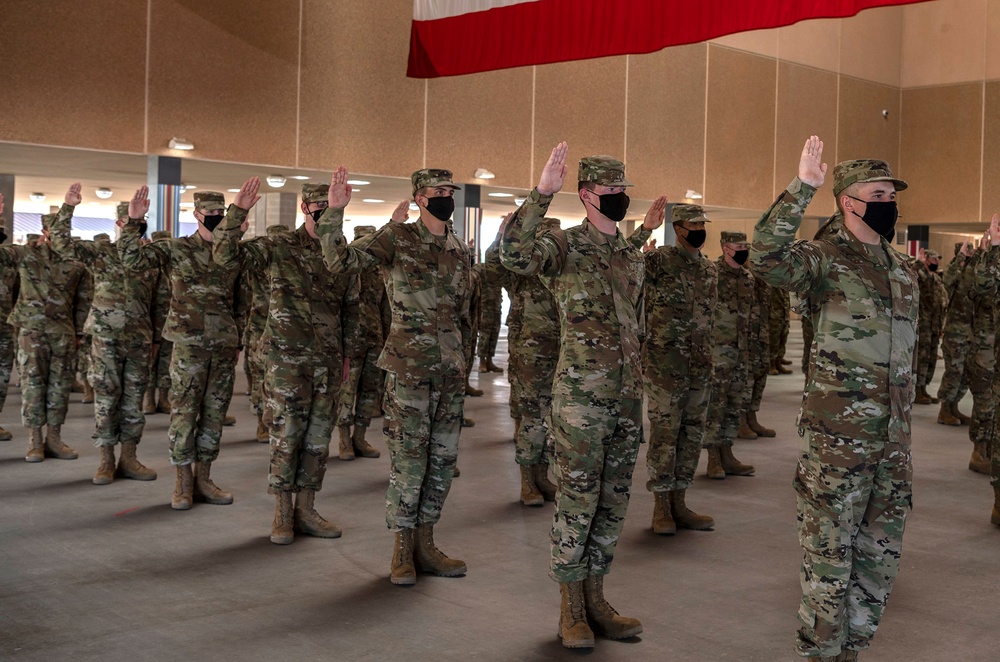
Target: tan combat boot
[(281, 528), (771, 370), (402, 572), (129, 465), (346, 443), (745, 431), (979, 462), (468, 423), (149, 401), (54, 446), (603, 618), (995, 515), (88, 393), (493, 367), (106, 471), (923, 398), (781, 369), (483, 367), (715, 469), (663, 520), (685, 517), (962, 418), (36, 446), (206, 490), (361, 446), (542, 482), (163, 403), (945, 417), (5, 435), (530, 496), (573, 628), (228, 421), (263, 436), (472, 391), (731, 465), (431, 560), (308, 521), (757, 427), (183, 488)]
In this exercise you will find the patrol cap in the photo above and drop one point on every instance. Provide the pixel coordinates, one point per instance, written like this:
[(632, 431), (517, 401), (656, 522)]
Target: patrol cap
[(604, 170), (209, 201), (862, 171), (121, 211), (929, 254), (363, 231), (104, 236), (315, 192), (682, 213), (32, 237), (275, 230), (732, 237), (161, 234), (431, 177)]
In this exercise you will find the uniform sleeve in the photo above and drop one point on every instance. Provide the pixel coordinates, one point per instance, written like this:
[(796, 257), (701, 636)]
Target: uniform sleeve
[(350, 319), (242, 301), (377, 248), (639, 236), (775, 255), (63, 243), (987, 272), (82, 300), (952, 275), (522, 250), (135, 256), (10, 255)]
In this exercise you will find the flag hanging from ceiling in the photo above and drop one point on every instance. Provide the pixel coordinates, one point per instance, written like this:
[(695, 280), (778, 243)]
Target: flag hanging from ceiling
[(453, 37)]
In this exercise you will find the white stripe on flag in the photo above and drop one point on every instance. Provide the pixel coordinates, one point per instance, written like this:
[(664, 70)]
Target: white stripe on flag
[(430, 10)]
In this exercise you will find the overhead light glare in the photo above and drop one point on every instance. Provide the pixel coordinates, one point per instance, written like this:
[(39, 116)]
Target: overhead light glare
[(180, 143), (276, 181), (500, 195), (36, 197), (357, 182), (299, 177), (483, 173), (104, 193), (373, 200), (691, 194), (233, 190)]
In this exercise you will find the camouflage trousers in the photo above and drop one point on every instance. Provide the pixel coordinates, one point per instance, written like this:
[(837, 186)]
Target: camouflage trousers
[(807, 345), (979, 369), (301, 403), (596, 445), (119, 373), (425, 419), (7, 350), (515, 348), (361, 394), (758, 379), (853, 498), (729, 399), (45, 364), (254, 361), (159, 369), (489, 326), (778, 329), (678, 408), (995, 442), (927, 353), (201, 386), (81, 360), (535, 369), (955, 346)]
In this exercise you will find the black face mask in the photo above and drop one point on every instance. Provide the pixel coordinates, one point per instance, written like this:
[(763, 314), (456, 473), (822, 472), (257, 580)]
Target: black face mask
[(316, 214), (441, 208), (696, 238), (932, 267), (614, 205), (880, 217), (740, 257), (3, 235), (142, 229), (212, 222)]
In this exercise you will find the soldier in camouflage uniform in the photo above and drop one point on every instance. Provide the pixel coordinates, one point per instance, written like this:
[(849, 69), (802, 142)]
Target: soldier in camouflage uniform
[(312, 319), (987, 279), (957, 335), (854, 474), (81, 358), (492, 277), (759, 362), (204, 331), (120, 325), (158, 391), (827, 230), (933, 304), (9, 285), (981, 361), (780, 316), (597, 282), (681, 293), (730, 355), (49, 314), (428, 281)]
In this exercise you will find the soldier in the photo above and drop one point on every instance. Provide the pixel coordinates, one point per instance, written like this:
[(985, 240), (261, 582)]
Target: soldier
[(987, 277), (730, 354), (597, 280), (428, 282), (933, 304), (854, 475), (49, 315), (9, 285), (81, 358), (361, 395), (827, 230), (204, 331), (158, 391), (957, 335), (681, 293), (491, 281), (981, 362), (778, 332), (120, 325), (760, 360)]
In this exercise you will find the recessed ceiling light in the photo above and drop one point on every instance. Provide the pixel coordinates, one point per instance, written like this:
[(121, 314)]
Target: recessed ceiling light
[(180, 143), (501, 195), (276, 181), (373, 200), (187, 205), (233, 190), (483, 173), (36, 197), (187, 187), (519, 201), (299, 177), (413, 206), (357, 182), (104, 193)]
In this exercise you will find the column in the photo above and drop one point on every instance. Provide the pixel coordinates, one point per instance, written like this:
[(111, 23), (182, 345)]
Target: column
[(7, 191), (917, 237), (163, 176), (281, 208), (468, 217)]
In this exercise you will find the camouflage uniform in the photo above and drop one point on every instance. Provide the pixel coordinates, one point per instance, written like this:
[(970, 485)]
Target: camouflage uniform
[(9, 286), (854, 474), (515, 315), (258, 296), (81, 357), (933, 303), (491, 281), (159, 370), (597, 283), (759, 346), (829, 229), (981, 360), (956, 339), (779, 325)]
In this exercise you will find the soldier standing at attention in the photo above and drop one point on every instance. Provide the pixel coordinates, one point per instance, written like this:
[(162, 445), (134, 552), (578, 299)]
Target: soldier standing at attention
[(204, 332), (731, 338), (492, 279), (956, 338), (854, 474), (681, 293), (158, 391), (778, 332), (428, 281), (759, 360), (8, 293), (987, 277), (597, 281), (120, 324), (933, 301), (980, 364)]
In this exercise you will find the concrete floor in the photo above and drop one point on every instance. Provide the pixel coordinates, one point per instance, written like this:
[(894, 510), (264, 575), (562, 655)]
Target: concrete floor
[(112, 573)]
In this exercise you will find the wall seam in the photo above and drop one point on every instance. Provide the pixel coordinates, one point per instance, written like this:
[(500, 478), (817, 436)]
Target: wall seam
[(145, 118), (982, 114), (774, 137), (426, 90), (704, 127), (531, 168), (298, 90), (625, 135)]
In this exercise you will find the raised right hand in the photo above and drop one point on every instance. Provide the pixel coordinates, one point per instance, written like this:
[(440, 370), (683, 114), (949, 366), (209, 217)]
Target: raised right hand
[(812, 170), (554, 171)]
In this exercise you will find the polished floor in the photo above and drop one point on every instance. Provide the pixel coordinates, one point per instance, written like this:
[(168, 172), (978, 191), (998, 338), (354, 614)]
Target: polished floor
[(112, 573)]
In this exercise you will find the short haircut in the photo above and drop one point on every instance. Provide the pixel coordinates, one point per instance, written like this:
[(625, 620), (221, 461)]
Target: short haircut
[(585, 185)]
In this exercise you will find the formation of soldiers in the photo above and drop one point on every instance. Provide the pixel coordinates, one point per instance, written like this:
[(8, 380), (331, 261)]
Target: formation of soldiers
[(337, 333)]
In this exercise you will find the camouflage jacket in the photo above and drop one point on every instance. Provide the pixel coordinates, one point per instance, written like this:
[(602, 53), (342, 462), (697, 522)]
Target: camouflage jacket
[(52, 295), (312, 314), (681, 293), (759, 335), (492, 278), (371, 307), (123, 300), (203, 293), (933, 302), (982, 297), (9, 287), (429, 285), (597, 284), (735, 310), (866, 302), (538, 314), (959, 280)]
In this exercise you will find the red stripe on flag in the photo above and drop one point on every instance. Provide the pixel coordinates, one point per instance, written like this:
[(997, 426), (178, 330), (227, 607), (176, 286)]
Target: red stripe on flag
[(549, 31)]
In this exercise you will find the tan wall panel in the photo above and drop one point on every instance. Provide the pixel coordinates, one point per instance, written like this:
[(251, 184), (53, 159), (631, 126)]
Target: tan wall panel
[(71, 76), (870, 45), (940, 153), (223, 75), (358, 106), (992, 39), (482, 120), (812, 43), (666, 121), (991, 151), (944, 42), (862, 130), (739, 163), (759, 42), (582, 103), (807, 105)]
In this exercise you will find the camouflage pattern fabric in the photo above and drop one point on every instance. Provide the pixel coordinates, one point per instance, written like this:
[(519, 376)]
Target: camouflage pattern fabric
[(119, 374), (201, 387), (933, 303), (780, 324), (492, 279), (475, 317), (981, 361), (159, 366), (361, 395), (597, 282), (45, 364), (829, 229), (956, 340), (759, 345), (681, 294), (515, 315), (9, 286), (854, 473)]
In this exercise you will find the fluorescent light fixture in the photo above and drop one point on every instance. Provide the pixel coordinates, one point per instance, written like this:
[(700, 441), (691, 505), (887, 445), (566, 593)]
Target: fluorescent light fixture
[(36, 197), (233, 190), (373, 200), (104, 193), (357, 182), (180, 143), (187, 187), (414, 207), (691, 194), (500, 195), (299, 177), (187, 205), (483, 173), (519, 201), (276, 181)]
